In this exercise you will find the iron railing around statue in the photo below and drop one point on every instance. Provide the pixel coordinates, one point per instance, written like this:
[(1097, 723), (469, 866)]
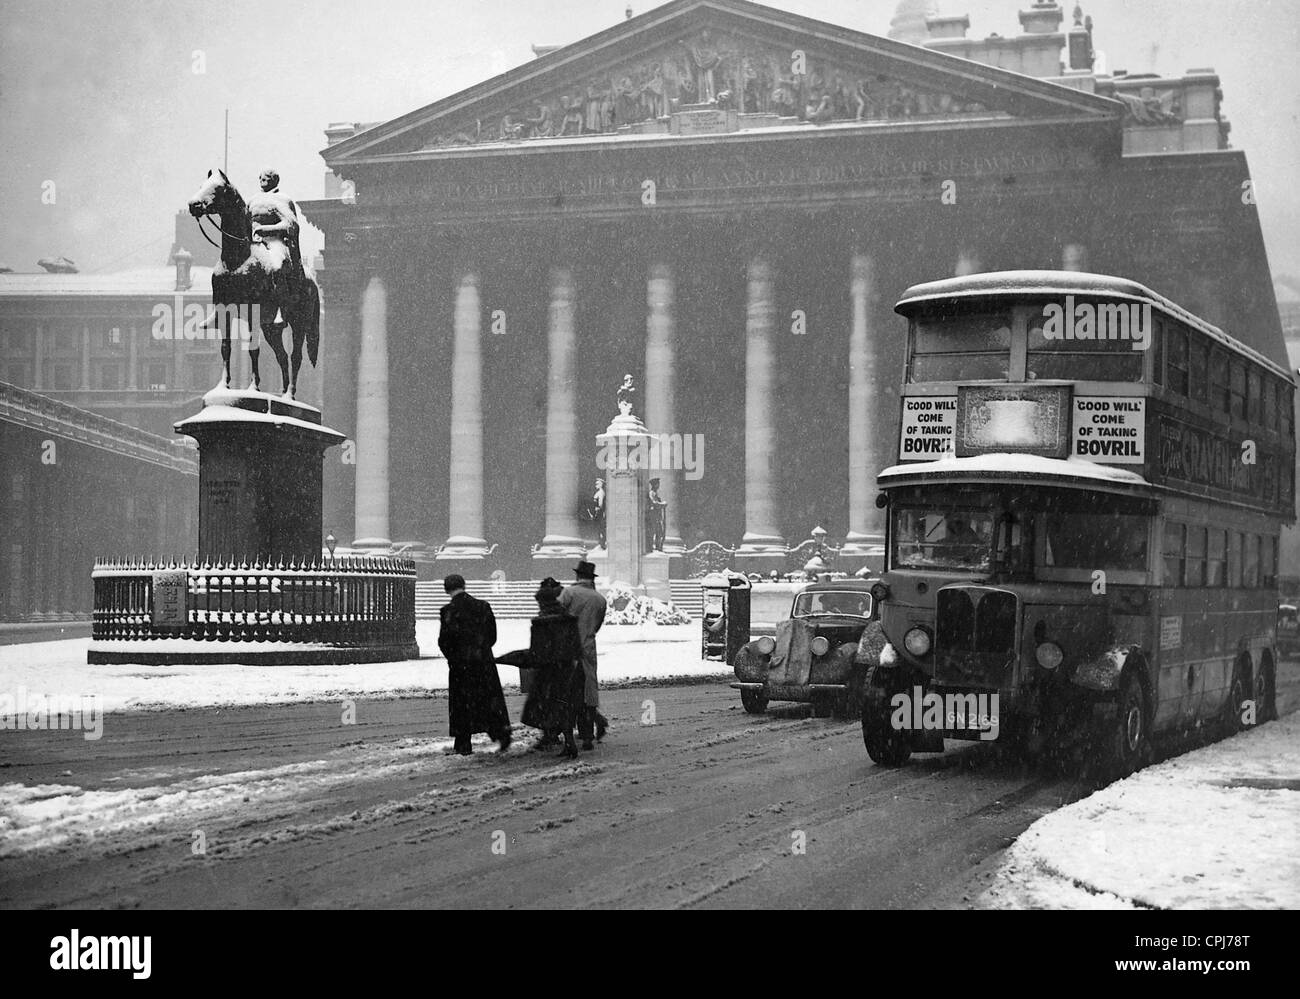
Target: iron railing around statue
[(350, 601)]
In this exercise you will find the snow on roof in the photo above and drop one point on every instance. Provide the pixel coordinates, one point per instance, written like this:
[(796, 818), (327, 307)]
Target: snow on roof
[(152, 282), (1020, 466), (1061, 283)]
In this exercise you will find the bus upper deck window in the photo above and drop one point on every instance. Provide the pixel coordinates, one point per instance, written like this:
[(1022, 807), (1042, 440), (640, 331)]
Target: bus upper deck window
[(1270, 404), (1197, 369), (1237, 388), (974, 347), (1176, 359), (1220, 397)]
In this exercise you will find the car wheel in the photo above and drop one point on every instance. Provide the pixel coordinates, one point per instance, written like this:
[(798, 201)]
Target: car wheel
[(753, 701), (1130, 740), (886, 745)]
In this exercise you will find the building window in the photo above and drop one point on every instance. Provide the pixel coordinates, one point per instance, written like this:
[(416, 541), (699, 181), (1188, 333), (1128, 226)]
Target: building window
[(113, 338), (1173, 554)]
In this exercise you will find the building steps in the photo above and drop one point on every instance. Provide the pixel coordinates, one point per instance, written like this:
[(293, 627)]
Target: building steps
[(514, 599)]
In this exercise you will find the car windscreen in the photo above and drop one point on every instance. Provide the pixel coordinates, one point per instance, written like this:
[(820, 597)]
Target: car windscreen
[(849, 602)]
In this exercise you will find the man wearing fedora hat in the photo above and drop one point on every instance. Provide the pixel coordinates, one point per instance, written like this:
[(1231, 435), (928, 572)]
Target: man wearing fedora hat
[(588, 606)]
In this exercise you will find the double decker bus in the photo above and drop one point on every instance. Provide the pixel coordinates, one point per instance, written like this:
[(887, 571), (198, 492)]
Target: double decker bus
[(1083, 523)]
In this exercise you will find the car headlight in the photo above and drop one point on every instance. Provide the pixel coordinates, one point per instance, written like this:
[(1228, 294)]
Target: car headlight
[(820, 646), (765, 646), (917, 642), (1049, 655)]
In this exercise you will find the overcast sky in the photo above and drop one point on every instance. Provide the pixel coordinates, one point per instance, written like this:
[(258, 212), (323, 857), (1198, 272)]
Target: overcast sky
[(103, 99)]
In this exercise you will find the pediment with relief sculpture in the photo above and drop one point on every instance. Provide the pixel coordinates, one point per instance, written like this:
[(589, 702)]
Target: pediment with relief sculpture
[(766, 67)]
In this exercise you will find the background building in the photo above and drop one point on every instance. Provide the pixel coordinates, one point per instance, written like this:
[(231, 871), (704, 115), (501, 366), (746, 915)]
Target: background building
[(725, 200)]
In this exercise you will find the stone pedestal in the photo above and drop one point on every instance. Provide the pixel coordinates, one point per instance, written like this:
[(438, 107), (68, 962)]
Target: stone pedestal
[(260, 476), (623, 444)]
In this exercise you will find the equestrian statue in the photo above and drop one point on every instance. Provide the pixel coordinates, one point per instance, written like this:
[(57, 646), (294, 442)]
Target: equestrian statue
[(261, 269)]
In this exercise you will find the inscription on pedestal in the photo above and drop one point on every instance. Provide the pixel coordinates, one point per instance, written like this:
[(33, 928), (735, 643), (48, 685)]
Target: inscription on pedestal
[(713, 122)]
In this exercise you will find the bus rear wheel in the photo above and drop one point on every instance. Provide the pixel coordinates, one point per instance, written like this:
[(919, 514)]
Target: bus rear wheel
[(1130, 740), (1266, 691)]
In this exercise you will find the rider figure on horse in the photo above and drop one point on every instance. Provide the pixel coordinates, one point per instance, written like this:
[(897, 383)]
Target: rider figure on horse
[(275, 227)]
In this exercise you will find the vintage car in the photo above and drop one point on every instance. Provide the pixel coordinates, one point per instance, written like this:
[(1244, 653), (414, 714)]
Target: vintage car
[(1288, 630), (816, 656)]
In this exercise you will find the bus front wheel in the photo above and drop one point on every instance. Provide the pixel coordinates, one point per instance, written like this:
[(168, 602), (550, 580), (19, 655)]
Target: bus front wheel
[(886, 745), (1130, 738)]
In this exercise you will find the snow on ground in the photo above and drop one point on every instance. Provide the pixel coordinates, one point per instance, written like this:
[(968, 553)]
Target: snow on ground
[(45, 816), (1217, 828), (626, 652)]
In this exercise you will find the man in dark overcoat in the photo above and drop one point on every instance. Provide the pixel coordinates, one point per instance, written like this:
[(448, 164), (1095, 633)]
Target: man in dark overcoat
[(584, 602), (466, 636)]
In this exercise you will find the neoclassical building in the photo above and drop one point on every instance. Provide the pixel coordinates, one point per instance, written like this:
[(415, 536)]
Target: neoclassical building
[(725, 200)]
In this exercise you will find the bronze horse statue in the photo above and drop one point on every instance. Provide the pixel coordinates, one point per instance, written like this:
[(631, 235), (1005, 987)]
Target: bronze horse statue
[(258, 271)]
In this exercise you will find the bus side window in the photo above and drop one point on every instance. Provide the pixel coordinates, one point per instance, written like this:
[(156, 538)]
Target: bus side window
[(1194, 560), (1176, 360), (1173, 554), (1158, 361), (1215, 558), (1237, 388), (1198, 374), (1250, 561), (1268, 562), (1286, 409), (1220, 398), (1254, 402), (1271, 389), (1234, 559)]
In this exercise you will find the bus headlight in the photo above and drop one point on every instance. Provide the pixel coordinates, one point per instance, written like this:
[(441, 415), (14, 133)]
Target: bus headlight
[(917, 642), (765, 646), (820, 645), (1049, 655)]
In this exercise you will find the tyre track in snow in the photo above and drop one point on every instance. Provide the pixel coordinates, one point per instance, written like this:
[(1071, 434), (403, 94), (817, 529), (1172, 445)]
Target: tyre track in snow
[(701, 809)]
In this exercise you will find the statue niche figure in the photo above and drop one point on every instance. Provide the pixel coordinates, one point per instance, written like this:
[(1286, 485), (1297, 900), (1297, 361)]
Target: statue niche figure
[(261, 267)]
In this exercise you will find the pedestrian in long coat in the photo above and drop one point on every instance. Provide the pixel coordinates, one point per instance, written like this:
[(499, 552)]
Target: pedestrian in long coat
[(554, 658), (588, 606), (466, 636)]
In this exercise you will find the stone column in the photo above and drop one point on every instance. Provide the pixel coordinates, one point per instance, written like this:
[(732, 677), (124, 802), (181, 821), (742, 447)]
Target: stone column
[(85, 359), (465, 523), (563, 538), (761, 536), (867, 445), (968, 262), (372, 420), (1074, 257), (660, 396), (132, 374)]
